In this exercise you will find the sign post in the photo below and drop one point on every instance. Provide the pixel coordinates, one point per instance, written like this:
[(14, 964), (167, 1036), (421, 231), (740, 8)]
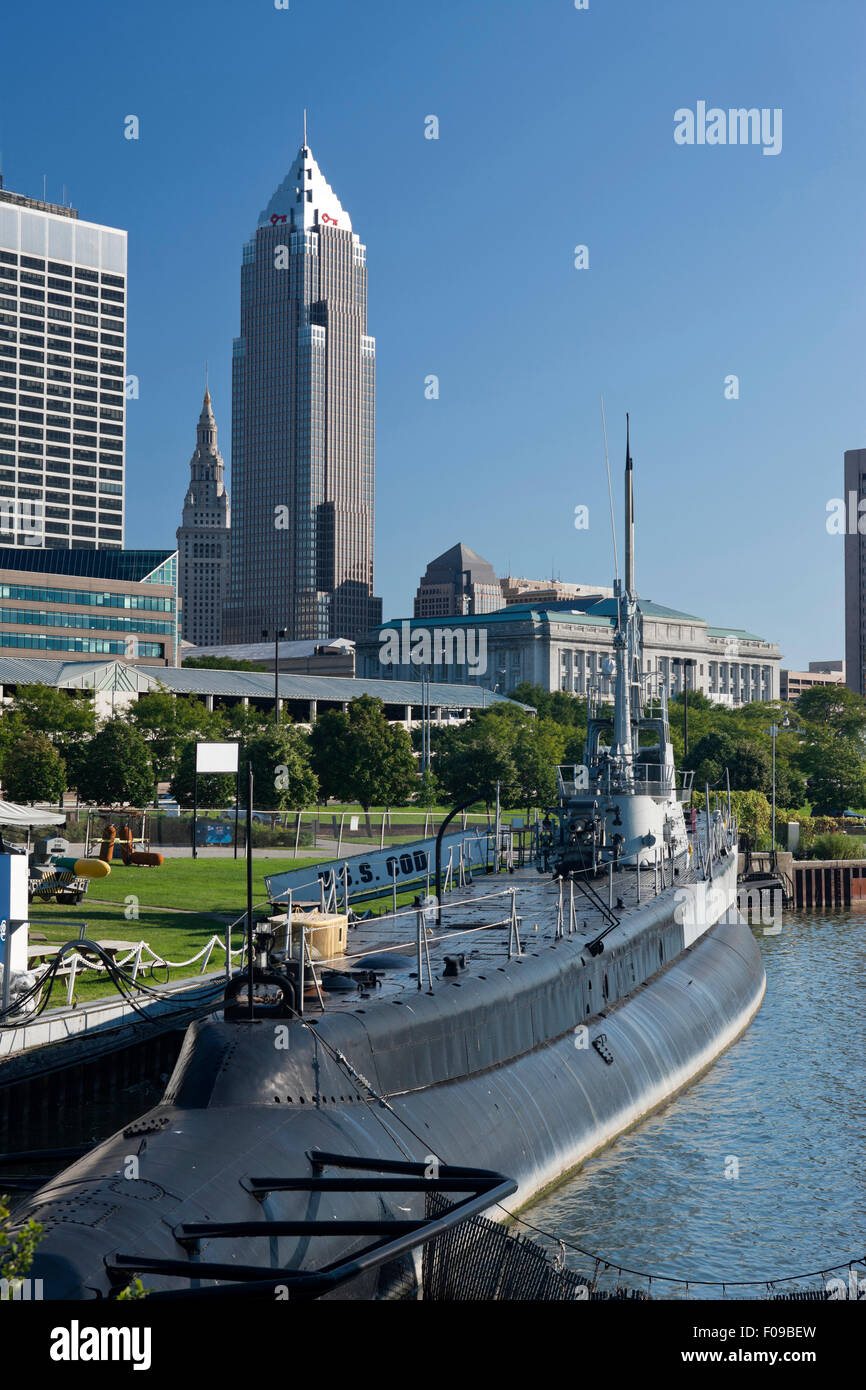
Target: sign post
[(213, 758)]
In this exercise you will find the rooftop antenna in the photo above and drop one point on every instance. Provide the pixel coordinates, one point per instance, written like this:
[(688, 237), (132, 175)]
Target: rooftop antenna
[(45, 188), (305, 127)]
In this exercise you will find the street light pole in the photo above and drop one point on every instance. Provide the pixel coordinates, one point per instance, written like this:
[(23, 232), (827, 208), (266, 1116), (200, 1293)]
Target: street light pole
[(278, 633), (773, 732), (686, 665)]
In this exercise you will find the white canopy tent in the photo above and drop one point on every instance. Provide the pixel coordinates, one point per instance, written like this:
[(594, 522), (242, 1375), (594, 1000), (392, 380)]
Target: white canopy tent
[(29, 817)]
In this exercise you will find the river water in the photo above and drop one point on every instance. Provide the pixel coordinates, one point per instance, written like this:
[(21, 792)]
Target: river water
[(759, 1168)]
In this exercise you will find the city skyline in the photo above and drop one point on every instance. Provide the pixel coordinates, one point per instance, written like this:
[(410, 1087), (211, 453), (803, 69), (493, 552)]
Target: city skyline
[(303, 422), (703, 264)]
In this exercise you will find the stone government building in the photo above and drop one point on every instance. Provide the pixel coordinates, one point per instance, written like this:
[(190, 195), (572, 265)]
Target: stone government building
[(562, 645)]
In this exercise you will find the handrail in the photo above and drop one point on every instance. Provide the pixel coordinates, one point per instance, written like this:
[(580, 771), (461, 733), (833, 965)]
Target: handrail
[(485, 1188)]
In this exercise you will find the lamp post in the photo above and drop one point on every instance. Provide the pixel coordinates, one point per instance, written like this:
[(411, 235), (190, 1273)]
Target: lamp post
[(773, 732), (685, 662), (424, 676), (278, 633)]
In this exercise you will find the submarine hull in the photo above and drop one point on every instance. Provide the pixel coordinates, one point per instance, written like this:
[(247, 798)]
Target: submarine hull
[(497, 1069)]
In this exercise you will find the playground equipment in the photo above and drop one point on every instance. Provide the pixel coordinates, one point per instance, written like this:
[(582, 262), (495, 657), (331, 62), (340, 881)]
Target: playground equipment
[(130, 855), (123, 841)]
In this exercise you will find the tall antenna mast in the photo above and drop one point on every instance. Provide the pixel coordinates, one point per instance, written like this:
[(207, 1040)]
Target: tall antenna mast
[(629, 517), (305, 127), (609, 493)]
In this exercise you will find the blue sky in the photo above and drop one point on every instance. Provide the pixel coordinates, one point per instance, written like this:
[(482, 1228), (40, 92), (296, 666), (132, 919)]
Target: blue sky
[(556, 129)]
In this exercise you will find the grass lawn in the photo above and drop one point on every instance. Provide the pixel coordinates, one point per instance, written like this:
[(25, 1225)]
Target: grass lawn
[(174, 937), (197, 885), (203, 893)]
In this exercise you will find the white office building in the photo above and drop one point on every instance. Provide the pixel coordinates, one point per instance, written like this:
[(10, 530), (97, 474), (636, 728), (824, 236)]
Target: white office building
[(62, 377)]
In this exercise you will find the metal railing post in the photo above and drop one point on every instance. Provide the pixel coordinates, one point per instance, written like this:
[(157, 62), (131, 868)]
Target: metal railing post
[(71, 988), (610, 884), (301, 963)]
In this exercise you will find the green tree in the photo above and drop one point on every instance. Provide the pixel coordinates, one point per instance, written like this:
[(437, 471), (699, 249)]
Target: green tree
[(402, 781), (33, 770), (749, 767), (834, 766), (538, 746), (245, 722), (17, 1251), (283, 777), (359, 757), (470, 761), (116, 769), (222, 663), (429, 788), (557, 705), (833, 707), (329, 745), (66, 717), (167, 723), (710, 756), (753, 813), (44, 709)]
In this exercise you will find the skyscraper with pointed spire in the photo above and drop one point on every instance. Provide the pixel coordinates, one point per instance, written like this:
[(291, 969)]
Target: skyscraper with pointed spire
[(203, 538), (303, 441)]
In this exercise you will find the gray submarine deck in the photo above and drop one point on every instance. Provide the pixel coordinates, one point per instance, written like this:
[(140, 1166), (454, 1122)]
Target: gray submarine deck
[(498, 1067)]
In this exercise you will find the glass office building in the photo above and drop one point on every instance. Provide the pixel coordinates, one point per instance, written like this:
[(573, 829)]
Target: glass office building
[(303, 437), (62, 377), (91, 602)]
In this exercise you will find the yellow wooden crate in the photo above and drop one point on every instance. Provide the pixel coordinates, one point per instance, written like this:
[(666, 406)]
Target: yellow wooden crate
[(324, 930)]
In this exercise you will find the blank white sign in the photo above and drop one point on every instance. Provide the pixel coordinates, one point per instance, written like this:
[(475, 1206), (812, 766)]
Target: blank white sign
[(216, 757)]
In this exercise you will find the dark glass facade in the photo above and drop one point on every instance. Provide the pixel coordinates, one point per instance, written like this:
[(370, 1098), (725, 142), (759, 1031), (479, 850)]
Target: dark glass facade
[(303, 434)]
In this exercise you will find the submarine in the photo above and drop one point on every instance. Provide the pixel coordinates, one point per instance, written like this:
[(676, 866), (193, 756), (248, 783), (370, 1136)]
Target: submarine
[(343, 1107)]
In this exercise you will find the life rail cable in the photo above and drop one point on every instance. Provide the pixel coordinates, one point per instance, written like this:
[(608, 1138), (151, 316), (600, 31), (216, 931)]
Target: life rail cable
[(686, 1280)]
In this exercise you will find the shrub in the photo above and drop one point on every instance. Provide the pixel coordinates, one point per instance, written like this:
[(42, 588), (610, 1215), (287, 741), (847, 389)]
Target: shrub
[(837, 846)]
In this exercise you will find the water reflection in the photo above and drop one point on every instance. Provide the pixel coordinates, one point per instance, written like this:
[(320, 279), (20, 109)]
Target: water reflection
[(757, 1169)]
